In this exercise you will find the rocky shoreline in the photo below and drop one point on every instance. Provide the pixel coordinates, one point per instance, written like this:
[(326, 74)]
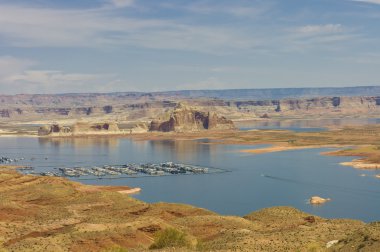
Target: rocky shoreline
[(55, 214), (361, 164)]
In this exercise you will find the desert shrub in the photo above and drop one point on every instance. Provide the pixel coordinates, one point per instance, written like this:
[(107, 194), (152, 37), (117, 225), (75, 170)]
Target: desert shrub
[(170, 238), (361, 245), (6, 203), (115, 249), (201, 246), (314, 247)]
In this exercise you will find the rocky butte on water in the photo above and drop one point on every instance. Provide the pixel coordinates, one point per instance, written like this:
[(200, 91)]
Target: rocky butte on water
[(316, 200), (187, 119), (80, 128)]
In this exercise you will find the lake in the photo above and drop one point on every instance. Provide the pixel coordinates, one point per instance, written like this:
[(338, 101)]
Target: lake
[(255, 181), (304, 125)]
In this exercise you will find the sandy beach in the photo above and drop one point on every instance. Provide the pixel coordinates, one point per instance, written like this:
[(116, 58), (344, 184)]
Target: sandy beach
[(361, 164)]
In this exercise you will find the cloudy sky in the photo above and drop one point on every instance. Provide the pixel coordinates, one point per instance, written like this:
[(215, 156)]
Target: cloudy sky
[(56, 46)]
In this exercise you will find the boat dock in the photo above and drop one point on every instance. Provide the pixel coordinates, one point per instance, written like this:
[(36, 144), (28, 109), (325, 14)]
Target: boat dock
[(132, 170)]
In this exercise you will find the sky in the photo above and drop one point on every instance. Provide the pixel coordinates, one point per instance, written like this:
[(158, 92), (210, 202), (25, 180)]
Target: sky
[(67, 46)]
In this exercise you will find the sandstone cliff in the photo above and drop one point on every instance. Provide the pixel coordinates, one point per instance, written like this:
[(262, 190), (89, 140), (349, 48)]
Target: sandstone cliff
[(80, 128), (187, 119), (141, 108), (139, 128)]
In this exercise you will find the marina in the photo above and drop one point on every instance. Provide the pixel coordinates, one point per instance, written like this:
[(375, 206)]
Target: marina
[(132, 170), (8, 160)]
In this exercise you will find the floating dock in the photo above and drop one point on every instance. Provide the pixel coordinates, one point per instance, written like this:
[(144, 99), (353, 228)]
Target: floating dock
[(130, 170)]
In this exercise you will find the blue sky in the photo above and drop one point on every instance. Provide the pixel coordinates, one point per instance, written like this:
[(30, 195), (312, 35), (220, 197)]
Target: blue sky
[(56, 46)]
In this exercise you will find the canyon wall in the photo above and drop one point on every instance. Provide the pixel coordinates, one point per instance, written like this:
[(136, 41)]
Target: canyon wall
[(128, 108)]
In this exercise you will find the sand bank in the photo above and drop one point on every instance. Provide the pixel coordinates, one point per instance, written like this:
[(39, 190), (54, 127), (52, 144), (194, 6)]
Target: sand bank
[(131, 191), (361, 164), (276, 148)]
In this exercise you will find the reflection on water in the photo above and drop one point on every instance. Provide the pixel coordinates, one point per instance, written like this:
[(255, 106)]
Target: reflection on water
[(77, 143), (187, 151), (305, 124), (255, 181)]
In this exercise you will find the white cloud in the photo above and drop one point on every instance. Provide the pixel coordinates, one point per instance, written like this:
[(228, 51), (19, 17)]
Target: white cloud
[(101, 28), (46, 81), (368, 1), (50, 77), (122, 3), (209, 83), (325, 37), (319, 29), (248, 9), (306, 37), (17, 75), (370, 59), (238, 11), (67, 28), (10, 65)]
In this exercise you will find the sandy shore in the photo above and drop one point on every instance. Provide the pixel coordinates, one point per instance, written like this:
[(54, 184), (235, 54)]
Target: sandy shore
[(131, 191), (278, 148), (18, 135), (11, 166), (356, 163), (82, 187), (360, 164), (119, 189)]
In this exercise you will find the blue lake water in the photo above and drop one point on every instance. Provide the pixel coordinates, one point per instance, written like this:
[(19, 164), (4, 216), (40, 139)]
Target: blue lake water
[(255, 181), (304, 125)]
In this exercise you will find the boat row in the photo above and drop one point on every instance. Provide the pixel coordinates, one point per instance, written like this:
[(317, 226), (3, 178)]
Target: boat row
[(8, 160), (159, 169)]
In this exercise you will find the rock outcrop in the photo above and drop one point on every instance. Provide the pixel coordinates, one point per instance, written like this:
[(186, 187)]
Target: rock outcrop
[(139, 128), (187, 119), (54, 129), (316, 200), (80, 128)]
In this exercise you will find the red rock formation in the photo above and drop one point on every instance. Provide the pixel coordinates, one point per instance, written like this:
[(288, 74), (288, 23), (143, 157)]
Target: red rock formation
[(186, 119), (77, 129)]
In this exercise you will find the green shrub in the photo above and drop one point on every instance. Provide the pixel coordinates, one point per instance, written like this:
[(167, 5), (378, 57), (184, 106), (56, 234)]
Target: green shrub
[(170, 238)]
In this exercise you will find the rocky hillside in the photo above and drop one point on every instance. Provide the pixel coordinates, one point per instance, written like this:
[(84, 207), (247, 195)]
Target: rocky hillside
[(54, 214), (187, 119)]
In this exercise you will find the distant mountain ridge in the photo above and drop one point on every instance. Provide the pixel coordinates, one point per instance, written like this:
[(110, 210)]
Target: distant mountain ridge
[(278, 93), (233, 94), (232, 104)]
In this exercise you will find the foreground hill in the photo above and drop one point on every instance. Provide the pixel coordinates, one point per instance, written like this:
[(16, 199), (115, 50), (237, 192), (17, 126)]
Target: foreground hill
[(54, 214)]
